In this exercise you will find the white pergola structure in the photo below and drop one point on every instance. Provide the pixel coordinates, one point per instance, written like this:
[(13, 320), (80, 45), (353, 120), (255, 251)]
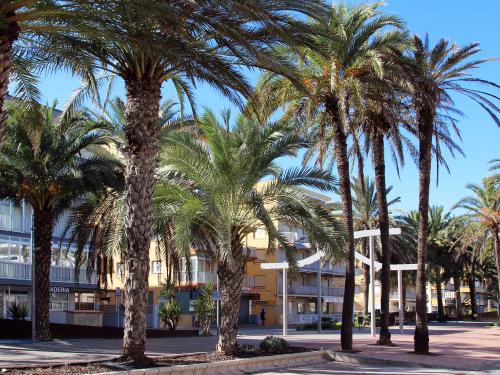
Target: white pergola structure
[(284, 267), (374, 266)]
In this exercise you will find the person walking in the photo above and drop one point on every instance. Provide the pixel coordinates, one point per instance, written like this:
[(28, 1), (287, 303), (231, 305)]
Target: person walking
[(262, 318)]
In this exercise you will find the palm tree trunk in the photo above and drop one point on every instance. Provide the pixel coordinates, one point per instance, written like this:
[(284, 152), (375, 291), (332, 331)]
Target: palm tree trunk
[(141, 132), (458, 297), (383, 214), (8, 35), (425, 122), (336, 109), (44, 224), (471, 280), (496, 244), (230, 280), (439, 293)]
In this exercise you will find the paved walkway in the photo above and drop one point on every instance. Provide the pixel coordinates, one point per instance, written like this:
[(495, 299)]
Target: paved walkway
[(467, 346), (347, 369)]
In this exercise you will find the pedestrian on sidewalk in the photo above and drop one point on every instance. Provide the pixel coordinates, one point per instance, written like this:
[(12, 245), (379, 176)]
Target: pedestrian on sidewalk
[(262, 318)]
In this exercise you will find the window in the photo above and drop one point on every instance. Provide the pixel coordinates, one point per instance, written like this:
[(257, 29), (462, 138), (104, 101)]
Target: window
[(300, 308), (59, 301), (25, 253), (120, 269), (156, 266), (311, 307), (325, 308), (4, 252), (56, 257)]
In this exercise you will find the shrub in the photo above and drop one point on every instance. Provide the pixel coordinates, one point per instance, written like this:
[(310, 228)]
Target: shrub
[(274, 345), (17, 312), (170, 314), (204, 307)]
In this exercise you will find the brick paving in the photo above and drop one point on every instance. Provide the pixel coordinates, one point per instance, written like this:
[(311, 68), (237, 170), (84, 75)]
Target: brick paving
[(468, 346)]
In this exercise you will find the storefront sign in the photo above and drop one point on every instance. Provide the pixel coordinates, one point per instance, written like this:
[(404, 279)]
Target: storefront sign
[(59, 289)]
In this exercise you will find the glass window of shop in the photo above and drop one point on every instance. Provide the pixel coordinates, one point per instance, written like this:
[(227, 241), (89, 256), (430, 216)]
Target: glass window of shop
[(59, 301)]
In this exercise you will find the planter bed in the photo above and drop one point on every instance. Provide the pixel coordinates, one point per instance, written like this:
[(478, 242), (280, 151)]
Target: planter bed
[(199, 363)]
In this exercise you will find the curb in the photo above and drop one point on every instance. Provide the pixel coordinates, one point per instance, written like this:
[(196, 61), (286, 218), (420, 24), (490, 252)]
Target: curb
[(363, 359), (234, 366)]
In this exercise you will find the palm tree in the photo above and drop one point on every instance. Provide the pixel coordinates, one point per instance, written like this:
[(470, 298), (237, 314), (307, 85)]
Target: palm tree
[(203, 41), (434, 72), (23, 21), (483, 210), (349, 52), (98, 220), (231, 186), (50, 169)]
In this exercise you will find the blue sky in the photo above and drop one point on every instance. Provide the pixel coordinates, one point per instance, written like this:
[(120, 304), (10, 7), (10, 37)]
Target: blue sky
[(461, 21)]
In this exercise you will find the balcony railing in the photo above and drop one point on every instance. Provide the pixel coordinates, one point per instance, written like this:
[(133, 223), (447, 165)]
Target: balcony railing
[(410, 294), (22, 271), (253, 281), (199, 277), (326, 268), (14, 224), (295, 237), (312, 291)]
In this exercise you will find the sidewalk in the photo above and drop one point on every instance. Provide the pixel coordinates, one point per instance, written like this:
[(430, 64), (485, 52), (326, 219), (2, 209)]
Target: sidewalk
[(462, 345), (467, 346)]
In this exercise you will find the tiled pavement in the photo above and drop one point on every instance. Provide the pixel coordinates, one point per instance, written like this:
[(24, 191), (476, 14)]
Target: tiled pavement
[(468, 346)]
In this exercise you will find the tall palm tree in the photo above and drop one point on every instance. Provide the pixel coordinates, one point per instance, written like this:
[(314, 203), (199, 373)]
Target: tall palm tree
[(203, 41), (98, 220), (50, 169), (349, 52), (483, 209), (235, 187), (434, 72)]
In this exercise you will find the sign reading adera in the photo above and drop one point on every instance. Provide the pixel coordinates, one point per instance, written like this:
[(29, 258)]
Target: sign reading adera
[(59, 289)]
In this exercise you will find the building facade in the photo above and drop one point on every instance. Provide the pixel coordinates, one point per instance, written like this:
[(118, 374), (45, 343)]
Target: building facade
[(69, 292)]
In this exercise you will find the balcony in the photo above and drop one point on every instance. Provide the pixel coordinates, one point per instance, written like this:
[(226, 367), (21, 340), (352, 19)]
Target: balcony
[(410, 295), (300, 241), (257, 255), (326, 268), (22, 271), (302, 290), (199, 277), (14, 224)]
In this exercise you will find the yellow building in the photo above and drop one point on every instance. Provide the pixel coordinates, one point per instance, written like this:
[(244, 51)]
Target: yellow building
[(262, 289)]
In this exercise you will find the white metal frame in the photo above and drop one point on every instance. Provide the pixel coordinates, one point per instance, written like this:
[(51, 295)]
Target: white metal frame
[(284, 266), (372, 233)]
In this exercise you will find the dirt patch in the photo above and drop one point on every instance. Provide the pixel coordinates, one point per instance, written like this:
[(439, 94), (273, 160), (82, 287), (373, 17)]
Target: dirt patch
[(62, 370), (190, 359)]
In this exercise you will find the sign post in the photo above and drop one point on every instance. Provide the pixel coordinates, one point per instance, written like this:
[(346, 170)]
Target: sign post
[(118, 294)]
